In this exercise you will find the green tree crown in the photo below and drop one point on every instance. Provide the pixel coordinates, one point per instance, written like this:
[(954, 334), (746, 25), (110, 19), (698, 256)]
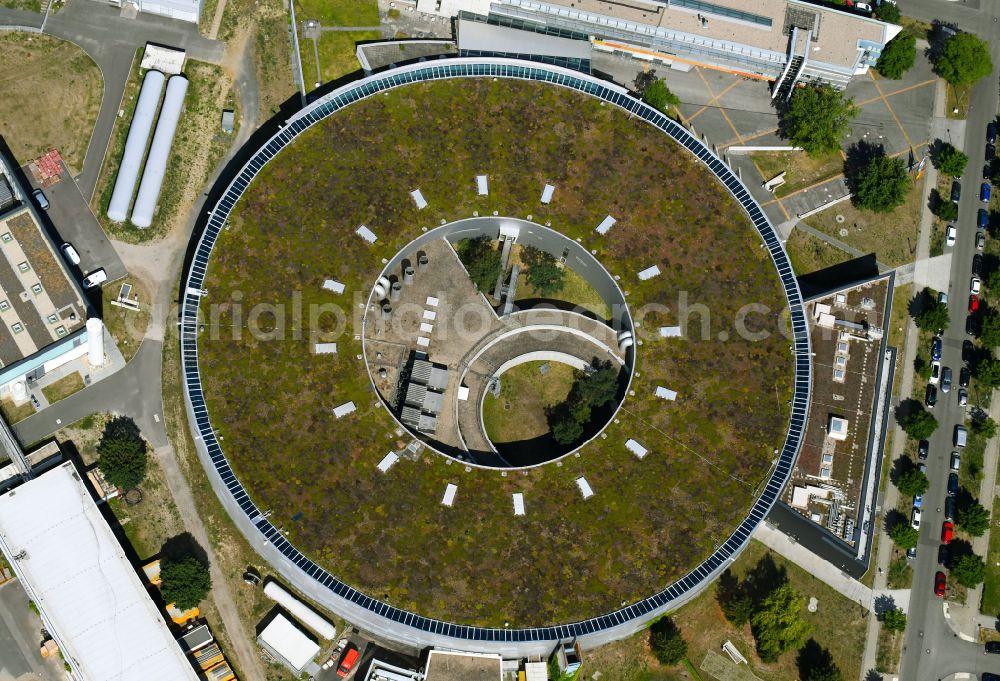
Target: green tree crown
[(186, 581), (666, 642), (932, 317), (544, 273), (121, 453), (904, 536), (659, 96), (913, 483), (920, 424), (898, 56), (964, 59), (951, 161), (777, 624), (974, 519), (817, 118), (894, 620), (881, 185), (987, 372), (969, 570)]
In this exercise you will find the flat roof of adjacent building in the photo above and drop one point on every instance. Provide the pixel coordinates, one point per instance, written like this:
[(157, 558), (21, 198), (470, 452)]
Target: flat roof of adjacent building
[(87, 592), (443, 665), (39, 302), (474, 35), (288, 641)]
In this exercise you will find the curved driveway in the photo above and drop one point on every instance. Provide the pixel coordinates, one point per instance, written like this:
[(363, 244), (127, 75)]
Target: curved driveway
[(381, 618)]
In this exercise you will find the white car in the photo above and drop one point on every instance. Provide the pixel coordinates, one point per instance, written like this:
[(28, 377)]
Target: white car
[(863, 7), (915, 519), (935, 373), (975, 286), (951, 236), (95, 278), (71, 255)]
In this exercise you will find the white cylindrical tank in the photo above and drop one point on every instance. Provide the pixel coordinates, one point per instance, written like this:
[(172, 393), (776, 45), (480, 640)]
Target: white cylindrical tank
[(95, 342), (300, 610), (159, 151), (624, 344), (135, 145), (20, 391)]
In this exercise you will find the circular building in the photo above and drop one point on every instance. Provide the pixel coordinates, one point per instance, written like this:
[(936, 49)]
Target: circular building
[(487, 354)]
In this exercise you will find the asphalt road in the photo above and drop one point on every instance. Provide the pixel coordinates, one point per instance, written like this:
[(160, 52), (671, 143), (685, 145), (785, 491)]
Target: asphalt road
[(20, 636), (932, 651)]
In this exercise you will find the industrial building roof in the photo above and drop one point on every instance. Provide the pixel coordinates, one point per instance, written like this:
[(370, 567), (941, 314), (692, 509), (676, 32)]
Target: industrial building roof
[(289, 642), (474, 35), (89, 597)]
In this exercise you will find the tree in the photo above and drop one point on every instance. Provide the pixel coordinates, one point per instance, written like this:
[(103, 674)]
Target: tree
[(817, 118), (932, 317), (964, 59), (969, 570), (904, 536), (544, 273), (950, 160), (989, 333), (992, 280), (777, 625), (987, 372), (735, 602), (880, 185), (481, 261), (986, 427), (666, 642), (898, 56), (974, 519), (922, 367), (592, 389), (121, 453), (894, 620), (186, 581), (946, 210), (659, 96), (913, 483), (888, 12), (919, 424), (815, 663)]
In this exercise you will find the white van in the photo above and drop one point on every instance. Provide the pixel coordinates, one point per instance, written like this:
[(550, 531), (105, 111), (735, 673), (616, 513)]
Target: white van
[(961, 436), (95, 278)]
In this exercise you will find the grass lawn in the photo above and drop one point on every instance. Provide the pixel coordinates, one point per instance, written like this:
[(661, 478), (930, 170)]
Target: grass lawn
[(900, 573), (198, 146), (971, 473), (892, 237), (802, 170), (12, 414), (575, 291), (63, 388), (50, 101), (809, 254), (958, 98), (837, 625), (338, 12), (888, 651), (126, 326), (697, 481), (899, 318), (519, 412), (26, 5), (922, 30), (337, 55), (991, 586)]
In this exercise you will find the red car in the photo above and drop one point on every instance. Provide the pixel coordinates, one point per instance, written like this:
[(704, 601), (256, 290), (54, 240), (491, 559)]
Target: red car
[(347, 661), (939, 584), (946, 531), (973, 304)]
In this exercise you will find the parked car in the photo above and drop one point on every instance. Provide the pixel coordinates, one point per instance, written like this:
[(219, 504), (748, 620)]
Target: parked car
[(930, 399), (953, 484), (975, 285), (95, 278), (973, 304), (991, 132), (961, 436), (980, 240), (991, 153), (963, 397), (956, 461), (918, 501), (982, 219), (40, 199), (911, 553), (956, 191), (972, 325), (968, 350), (984, 192), (72, 257), (944, 553), (963, 377), (987, 676), (977, 265), (940, 584), (347, 660), (987, 171), (936, 348), (949, 507), (992, 647), (923, 450), (922, 467), (863, 7), (947, 530), (946, 380), (950, 236), (915, 519), (935, 373)]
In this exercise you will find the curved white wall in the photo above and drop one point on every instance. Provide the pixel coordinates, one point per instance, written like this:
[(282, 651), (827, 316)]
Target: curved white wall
[(156, 162), (303, 612), (135, 145)]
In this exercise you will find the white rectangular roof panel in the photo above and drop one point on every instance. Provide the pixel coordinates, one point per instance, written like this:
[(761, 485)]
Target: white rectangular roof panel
[(518, 503), (344, 409), (649, 273), (366, 234), (547, 193), (606, 224), (636, 448), (463, 393), (670, 331), (665, 393), (325, 348), (423, 341), (430, 315), (449, 494), (418, 199), (90, 598), (482, 184), (386, 463), (432, 301), (425, 327), (585, 488), (286, 640), (335, 286)]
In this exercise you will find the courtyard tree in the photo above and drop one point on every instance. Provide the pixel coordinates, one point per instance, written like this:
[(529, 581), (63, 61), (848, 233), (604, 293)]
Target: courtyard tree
[(592, 389), (481, 261), (121, 453), (934, 314), (969, 570), (913, 483), (950, 160), (666, 642), (887, 12), (777, 623), (974, 519), (964, 59), (946, 210), (898, 56), (544, 272), (919, 424), (880, 185), (904, 536), (659, 96), (186, 581), (894, 620), (817, 118)]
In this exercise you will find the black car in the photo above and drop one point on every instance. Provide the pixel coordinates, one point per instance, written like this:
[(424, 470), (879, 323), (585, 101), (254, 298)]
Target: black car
[(943, 555), (931, 399), (977, 265), (993, 647), (968, 350), (972, 325), (953, 484), (991, 153), (991, 132), (963, 377), (949, 508), (956, 191), (986, 676), (923, 449), (987, 171)]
